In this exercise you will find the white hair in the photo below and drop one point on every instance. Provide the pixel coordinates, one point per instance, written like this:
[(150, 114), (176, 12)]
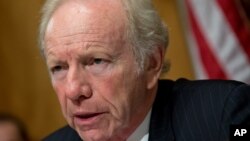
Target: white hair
[(146, 31)]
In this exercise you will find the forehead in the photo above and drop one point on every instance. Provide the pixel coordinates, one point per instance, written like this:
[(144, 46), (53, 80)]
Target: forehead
[(79, 15)]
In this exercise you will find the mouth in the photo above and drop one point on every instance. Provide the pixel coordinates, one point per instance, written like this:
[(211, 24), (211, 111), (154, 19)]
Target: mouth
[(87, 116), (87, 119)]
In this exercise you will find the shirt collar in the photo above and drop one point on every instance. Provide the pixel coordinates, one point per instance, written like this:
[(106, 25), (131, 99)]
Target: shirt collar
[(141, 132)]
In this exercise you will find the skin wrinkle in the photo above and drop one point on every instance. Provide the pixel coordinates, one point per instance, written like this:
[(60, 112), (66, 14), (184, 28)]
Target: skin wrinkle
[(87, 32), (77, 38), (118, 90), (83, 30), (94, 42), (88, 52), (75, 41)]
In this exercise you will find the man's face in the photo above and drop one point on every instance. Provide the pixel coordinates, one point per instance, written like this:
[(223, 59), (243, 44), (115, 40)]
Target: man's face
[(93, 70)]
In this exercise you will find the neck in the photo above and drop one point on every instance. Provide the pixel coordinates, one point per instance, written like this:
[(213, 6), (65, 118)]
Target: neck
[(141, 113)]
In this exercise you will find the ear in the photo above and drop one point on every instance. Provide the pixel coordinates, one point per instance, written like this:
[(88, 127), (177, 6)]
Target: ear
[(154, 66)]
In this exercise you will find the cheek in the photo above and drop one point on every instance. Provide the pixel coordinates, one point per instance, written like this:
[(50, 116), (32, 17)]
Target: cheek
[(110, 91), (117, 89), (59, 90)]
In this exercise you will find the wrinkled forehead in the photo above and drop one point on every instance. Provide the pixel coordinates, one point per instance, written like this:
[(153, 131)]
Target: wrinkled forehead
[(73, 15)]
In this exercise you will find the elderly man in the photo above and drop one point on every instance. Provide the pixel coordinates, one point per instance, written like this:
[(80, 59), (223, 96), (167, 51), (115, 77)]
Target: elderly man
[(105, 58)]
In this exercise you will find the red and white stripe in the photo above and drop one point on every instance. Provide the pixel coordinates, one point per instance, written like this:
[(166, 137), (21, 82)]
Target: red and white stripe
[(219, 40)]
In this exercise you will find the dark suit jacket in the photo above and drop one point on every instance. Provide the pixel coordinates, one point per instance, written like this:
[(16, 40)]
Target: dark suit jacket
[(190, 111)]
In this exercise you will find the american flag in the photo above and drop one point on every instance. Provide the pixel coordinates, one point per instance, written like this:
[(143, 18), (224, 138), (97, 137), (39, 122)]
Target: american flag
[(218, 33)]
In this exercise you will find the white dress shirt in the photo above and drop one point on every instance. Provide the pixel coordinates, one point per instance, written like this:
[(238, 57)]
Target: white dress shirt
[(142, 131)]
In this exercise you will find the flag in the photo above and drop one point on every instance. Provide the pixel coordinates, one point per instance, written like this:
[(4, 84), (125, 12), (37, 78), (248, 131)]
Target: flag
[(218, 33)]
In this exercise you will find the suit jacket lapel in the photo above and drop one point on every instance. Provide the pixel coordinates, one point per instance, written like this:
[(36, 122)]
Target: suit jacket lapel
[(161, 120)]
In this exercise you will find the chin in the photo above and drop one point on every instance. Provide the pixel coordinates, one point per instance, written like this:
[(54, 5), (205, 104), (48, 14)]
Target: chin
[(93, 135)]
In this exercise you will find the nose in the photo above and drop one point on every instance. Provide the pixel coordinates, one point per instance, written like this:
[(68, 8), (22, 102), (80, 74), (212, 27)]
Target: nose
[(77, 87)]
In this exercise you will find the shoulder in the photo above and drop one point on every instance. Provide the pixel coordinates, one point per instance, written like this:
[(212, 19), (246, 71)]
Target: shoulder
[(65, 133), (206, 108), (211, 96), (211, 85), (203, 90)]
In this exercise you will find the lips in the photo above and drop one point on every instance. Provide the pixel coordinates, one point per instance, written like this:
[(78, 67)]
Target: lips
[(87, 116), (87, 119)]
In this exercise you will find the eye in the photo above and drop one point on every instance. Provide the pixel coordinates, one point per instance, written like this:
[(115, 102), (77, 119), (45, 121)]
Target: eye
[(96, 61), (98, 65), (56, 69)]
